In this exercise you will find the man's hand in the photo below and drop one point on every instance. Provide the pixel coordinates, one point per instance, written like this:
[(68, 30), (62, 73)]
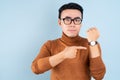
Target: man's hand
[(70, 52), (92, 34)]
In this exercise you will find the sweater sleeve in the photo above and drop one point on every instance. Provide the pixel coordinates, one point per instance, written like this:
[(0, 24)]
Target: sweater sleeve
[(97, 67), (41, 62)]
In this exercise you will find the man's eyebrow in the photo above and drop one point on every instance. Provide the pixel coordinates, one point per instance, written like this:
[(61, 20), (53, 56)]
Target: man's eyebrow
[(73, 18), (77, 18), (68, 17)]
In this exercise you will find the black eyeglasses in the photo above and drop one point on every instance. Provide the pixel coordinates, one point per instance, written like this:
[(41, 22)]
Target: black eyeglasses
[(68, 20)]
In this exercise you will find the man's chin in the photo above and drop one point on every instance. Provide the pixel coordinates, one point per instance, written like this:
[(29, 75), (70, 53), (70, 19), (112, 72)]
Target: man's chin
[(72, 35)]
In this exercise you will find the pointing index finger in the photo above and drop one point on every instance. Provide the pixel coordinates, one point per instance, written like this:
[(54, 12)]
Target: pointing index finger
[(80, 47)]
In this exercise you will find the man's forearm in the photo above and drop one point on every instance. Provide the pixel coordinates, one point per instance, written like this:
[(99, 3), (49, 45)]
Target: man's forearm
[(95, 51), (68, 52), (56, 59)]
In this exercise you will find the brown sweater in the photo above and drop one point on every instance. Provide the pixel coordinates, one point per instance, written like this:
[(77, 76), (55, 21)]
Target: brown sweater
[(80, 68)]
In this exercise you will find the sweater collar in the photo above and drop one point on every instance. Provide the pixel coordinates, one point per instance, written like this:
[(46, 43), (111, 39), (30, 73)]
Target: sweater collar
[(70, 41)]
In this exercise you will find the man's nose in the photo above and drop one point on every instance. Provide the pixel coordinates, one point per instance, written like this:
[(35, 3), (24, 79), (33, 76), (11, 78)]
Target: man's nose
[(72, 24)]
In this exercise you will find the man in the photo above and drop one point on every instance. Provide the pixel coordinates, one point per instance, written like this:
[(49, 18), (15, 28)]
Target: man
[(71, 57)]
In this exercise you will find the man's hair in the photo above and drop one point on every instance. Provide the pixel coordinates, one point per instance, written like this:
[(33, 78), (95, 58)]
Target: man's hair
[(70, 6)]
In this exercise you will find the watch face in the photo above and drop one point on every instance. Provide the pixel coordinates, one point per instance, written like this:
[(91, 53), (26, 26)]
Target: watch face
[(93, 43)]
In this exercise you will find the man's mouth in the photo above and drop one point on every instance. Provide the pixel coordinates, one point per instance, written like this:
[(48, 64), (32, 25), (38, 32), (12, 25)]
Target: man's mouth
[(71, 30)]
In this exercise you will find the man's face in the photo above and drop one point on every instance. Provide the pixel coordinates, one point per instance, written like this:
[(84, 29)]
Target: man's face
[(70, 29)]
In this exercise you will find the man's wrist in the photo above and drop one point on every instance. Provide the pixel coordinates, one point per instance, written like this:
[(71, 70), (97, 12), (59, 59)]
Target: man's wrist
[(92, 43)]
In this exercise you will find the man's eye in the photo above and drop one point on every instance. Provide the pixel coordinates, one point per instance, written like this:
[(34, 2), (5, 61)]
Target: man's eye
[(77, 20), (67, 19)]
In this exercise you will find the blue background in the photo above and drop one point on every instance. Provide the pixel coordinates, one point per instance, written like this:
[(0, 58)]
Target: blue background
[(26, 24)]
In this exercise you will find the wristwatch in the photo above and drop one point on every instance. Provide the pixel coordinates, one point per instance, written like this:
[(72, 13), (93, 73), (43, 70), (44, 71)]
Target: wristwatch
[(93, 43)]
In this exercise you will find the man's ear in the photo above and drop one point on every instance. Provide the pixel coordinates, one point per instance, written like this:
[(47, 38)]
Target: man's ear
[(59, 22), (81, 24)]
